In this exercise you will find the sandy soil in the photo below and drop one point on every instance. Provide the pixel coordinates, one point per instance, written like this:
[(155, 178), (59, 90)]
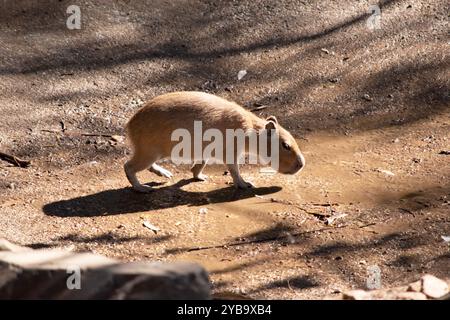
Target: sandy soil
[(370, 110)]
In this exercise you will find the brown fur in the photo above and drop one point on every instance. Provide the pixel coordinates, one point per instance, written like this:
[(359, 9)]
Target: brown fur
[(150, 129)]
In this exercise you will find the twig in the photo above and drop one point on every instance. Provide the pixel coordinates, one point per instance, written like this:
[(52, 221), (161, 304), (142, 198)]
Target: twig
[(258, 108), (104, 135), (14, 160), (50, 131), (367, 225), (298, 206), (262, 240), (289, 285), (77, 133), (328, 204)]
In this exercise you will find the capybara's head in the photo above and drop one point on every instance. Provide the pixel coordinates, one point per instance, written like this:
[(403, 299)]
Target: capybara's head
[(291, 159)]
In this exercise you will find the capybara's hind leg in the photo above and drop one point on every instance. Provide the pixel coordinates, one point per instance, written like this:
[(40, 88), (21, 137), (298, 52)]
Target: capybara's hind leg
[(160, 171), (134, 165)]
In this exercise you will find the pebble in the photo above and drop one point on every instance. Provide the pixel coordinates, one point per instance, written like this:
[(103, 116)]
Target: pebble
[(415, 286), (241, 74), (434, 287)]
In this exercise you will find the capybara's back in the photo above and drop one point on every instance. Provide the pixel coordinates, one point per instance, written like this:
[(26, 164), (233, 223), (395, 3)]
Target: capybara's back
[(150, 132)]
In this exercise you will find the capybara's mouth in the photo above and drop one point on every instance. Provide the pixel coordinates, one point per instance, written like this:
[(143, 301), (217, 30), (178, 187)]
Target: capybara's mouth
[(297, 168)]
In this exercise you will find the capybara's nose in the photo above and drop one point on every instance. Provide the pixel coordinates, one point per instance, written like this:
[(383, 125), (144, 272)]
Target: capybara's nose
[(300, 163)]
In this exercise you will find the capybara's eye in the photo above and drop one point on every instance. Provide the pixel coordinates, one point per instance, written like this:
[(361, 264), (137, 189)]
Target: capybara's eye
[(286, 146)]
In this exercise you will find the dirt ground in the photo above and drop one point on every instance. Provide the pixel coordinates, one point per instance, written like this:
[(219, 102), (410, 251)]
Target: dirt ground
[(370, 110)]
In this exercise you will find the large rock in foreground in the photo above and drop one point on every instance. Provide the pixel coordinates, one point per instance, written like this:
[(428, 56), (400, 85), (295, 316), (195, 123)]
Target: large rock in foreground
[(58, 274)]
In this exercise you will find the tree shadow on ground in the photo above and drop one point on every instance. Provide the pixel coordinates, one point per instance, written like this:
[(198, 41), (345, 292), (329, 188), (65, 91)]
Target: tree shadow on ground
[(275, 233), (177, 46), (399, 254), (181, 56), (104, 238)]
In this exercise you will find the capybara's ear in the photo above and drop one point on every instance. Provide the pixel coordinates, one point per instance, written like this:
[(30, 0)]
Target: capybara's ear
[(270, 125), (273, 119)]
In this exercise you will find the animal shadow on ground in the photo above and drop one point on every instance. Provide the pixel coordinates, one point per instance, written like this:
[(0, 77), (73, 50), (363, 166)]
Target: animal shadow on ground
[(125, 200)]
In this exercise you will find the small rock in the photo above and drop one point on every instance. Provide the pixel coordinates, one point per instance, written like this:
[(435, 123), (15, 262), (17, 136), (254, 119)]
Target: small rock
[(445, 152), (203, 211), (411, 296), (415, 286), (134, 103), (332, 219), (241, 74), (417, 160), (446, 238), (434, 287), (367, 97), (396, 140)]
